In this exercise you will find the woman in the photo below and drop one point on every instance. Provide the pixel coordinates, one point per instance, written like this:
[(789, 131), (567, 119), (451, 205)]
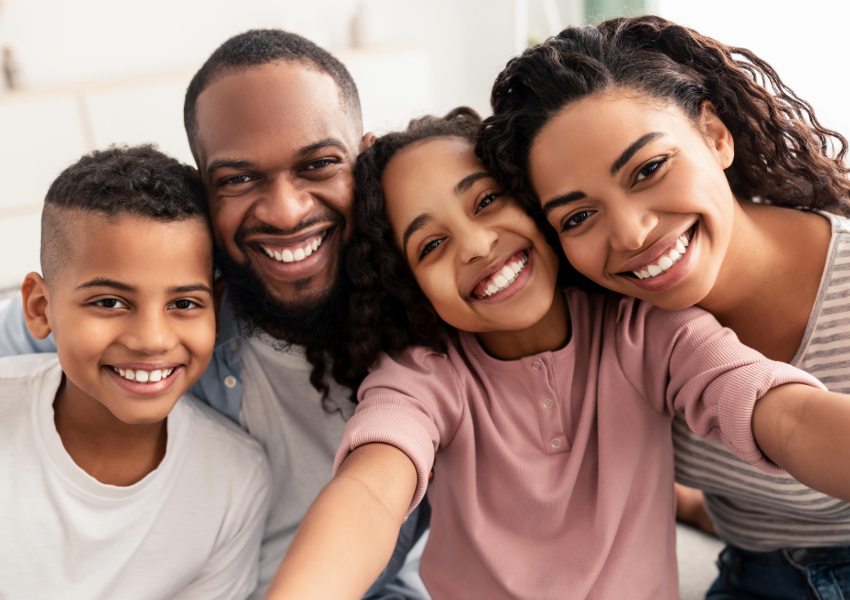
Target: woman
[(669, 172)]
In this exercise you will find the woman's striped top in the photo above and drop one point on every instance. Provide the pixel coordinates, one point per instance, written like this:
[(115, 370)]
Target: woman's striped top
[(758, 511)]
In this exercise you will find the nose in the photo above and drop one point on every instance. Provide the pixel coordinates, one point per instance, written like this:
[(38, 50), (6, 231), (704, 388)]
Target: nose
[(475, 241), (283, 205), (150, 333), (631, 223)]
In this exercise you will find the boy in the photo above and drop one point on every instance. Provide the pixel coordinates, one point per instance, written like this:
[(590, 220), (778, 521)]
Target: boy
[(113, 484)]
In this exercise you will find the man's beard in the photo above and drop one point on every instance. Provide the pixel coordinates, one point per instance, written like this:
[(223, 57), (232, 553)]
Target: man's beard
[(316, 321)]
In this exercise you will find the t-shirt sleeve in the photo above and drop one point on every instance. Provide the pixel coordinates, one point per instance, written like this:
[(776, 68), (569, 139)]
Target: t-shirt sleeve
[(686, 361), (411, 401), (232, 570)]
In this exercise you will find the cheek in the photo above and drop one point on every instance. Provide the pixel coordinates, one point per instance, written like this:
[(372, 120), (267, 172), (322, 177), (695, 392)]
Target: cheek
[(226, 217)]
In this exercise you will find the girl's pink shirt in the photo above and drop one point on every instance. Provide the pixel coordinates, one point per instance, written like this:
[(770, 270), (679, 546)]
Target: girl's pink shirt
[(553, 474)]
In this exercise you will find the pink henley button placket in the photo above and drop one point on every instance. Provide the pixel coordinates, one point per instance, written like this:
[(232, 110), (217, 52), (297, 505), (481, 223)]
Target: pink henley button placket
[(551, 427)]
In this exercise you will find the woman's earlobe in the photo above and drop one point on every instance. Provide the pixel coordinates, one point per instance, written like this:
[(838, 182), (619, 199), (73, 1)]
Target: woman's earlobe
[(35, 299), (717, 134)]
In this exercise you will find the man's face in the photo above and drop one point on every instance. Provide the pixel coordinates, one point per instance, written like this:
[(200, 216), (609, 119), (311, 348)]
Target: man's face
[(276, 150)]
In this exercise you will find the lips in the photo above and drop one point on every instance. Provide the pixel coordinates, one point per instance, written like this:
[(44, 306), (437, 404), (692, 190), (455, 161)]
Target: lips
[(501, 278), (666, 260), (141, 380)]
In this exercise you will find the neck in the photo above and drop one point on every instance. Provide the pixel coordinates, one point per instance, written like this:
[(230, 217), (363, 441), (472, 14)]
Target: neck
[(111, 451), (766, 287), (552, 332)]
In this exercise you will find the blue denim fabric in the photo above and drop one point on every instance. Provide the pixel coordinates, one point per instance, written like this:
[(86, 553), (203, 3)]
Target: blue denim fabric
[(790, 573)]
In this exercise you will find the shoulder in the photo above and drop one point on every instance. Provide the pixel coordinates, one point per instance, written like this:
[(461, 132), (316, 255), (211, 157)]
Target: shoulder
[(415, 369), (27, 366), (217, 439)]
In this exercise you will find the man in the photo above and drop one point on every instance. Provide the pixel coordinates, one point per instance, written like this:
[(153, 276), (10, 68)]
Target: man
[(274, 125)]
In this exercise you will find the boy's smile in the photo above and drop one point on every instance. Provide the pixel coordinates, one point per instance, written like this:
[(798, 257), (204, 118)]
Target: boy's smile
[(637, 194), (479, 259), (132, 313)]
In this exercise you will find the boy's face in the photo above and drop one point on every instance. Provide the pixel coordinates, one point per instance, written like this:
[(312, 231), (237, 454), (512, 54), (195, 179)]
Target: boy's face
[(131, 311)]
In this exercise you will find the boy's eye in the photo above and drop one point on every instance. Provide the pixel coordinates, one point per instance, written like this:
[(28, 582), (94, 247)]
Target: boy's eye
[(429, 247), (575, 220), (650, 168), (486, 201), (110, 303), (184, 304)]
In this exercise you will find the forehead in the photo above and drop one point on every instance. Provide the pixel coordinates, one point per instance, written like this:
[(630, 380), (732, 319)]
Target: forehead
[(278, 107), (135, 248), (428, 171), (587, 136)]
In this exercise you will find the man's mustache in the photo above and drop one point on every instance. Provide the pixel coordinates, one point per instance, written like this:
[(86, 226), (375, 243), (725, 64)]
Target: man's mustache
[(332, 219)]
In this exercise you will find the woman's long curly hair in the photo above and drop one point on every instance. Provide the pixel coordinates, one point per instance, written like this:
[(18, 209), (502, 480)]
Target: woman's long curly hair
[(782, 153), (388, 311)]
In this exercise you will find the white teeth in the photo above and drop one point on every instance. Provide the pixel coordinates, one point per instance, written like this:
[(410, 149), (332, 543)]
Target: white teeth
[(666, 261), (505, 276), (144, 376), (298, 254)]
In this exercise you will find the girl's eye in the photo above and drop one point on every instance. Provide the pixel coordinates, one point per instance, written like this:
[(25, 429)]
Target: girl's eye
[(429, 247), (650, 168), (576, 220), (486, 201), (184, 304), (110, 303)]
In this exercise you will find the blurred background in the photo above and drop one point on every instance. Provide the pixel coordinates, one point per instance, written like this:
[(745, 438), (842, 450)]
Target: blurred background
[(83, 74)]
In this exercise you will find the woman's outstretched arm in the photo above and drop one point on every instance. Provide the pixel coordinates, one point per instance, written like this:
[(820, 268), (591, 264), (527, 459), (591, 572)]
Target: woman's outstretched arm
[(348, 535), (806, 431)]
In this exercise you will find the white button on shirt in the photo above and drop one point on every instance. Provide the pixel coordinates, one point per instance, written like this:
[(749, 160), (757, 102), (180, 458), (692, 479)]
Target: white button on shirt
[(230, 381)]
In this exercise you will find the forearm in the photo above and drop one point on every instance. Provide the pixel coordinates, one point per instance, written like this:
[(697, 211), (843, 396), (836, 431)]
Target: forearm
[(348, 535), (807, 432)]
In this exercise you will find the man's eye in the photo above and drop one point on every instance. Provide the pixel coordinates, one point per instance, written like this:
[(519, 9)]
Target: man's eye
[(319, 164), (649, 168), (236, 180), (184, 304), (575, 220), (110, 303), (429, 247), (486, 201)]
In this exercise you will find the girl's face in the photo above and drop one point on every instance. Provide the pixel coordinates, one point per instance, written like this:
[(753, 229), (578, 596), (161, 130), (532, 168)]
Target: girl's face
[(636, 191), (478, 257)]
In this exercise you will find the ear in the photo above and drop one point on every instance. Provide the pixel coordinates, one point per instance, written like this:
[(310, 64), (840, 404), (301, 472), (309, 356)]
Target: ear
[(368, 139), (716, 134), (35, 296)]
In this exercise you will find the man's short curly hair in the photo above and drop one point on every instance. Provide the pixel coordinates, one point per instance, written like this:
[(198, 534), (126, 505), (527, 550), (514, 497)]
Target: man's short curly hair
[(259, 47), (139, 180)]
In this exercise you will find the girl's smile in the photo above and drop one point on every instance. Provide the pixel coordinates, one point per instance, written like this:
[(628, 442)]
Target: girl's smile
[(478, 257)]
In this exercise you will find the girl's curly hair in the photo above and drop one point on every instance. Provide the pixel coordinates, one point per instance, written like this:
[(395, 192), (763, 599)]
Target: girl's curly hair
[(388, 311), (782, 153)]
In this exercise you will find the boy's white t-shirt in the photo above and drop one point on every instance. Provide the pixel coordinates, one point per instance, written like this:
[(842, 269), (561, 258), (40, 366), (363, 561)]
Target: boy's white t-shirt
[(191, 529)]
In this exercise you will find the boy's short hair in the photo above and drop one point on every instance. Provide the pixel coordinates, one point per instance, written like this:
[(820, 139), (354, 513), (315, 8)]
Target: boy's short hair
[(121, 180)]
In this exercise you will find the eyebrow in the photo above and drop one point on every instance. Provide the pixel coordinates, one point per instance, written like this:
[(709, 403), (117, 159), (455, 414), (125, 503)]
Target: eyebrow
[(467, 182), (123, 287), (415, 225), (562, 201), (629, 152), (235, 163), (325, 143), (228, 163)]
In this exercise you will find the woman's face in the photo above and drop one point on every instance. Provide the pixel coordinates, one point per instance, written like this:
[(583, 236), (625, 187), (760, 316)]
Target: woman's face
[(636, 191), (478, 257)]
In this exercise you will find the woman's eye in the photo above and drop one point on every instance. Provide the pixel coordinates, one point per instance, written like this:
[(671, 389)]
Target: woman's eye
[(576, 220), (649, 168), (184, 304), (429, 247), (486, 201), (110, 303)]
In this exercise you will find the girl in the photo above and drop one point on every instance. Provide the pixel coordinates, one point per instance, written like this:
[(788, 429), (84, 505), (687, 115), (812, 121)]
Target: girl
[(668, 171), (544, 412)]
